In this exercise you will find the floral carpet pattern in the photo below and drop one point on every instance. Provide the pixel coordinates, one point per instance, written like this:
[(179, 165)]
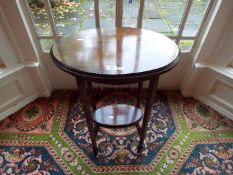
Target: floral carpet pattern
[(200, 117), (37, 117), (50, 136), (22, 160)]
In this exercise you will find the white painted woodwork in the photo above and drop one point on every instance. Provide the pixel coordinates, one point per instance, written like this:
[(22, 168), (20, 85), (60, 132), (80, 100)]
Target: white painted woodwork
[(17, 29), (23, 79), (16, 90), (208, 76), (216, 90), (6, 52)]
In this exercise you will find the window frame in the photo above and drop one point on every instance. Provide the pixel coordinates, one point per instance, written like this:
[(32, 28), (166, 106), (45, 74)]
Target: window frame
[(118, 21)]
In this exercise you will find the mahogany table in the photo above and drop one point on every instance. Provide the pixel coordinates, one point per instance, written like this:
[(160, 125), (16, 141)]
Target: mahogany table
[(115, 56)]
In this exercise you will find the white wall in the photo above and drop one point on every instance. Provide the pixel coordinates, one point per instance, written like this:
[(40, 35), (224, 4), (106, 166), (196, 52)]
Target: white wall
[(62, 80)]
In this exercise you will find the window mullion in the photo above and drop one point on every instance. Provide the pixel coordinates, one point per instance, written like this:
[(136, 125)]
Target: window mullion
[(140, 14), (51, 19), (97, 15), (119, 13), (184, 19), (172, 37), (28, 17), (45, 37), (187, 37), (202, 23), (25, 7)]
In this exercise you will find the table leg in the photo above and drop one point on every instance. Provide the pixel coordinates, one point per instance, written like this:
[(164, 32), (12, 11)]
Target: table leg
[(86, 107), (92, 99), (139, 93), (149, 100), (138, 128), (96, 129)]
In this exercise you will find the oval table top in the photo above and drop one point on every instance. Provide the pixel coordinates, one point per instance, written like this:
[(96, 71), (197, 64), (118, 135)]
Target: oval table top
[(115, 53)]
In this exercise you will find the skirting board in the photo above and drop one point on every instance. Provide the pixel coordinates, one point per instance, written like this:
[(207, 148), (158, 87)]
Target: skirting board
[(215, 106), (18, 106)]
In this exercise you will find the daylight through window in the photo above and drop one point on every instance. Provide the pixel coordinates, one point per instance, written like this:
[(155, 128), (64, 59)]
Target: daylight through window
[(181, 20)]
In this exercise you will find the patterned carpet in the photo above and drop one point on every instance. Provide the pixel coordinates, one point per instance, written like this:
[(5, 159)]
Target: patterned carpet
[(49, 136)]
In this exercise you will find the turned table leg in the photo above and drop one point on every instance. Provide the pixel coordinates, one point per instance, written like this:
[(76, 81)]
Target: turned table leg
[(139, 93), (87, 110), (92, 98), (149, 100)]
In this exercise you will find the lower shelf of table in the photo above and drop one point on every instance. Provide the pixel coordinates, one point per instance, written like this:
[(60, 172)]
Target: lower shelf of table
[(117, 115)]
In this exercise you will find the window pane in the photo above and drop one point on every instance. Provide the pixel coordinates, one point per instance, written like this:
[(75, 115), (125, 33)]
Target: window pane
[(88, 17), (195, 17), (39, 17), (130, 13), (163, 16), (73, 15), (186, 45), (107, 13), (46, 44)]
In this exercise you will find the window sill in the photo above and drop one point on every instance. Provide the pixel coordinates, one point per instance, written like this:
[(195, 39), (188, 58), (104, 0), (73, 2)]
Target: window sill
[(225, 72)]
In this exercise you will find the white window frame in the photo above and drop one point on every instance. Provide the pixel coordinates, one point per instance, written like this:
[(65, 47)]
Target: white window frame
[(118, 20)]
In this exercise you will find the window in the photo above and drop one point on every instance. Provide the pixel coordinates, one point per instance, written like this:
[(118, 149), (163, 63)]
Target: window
[(181, 20)]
